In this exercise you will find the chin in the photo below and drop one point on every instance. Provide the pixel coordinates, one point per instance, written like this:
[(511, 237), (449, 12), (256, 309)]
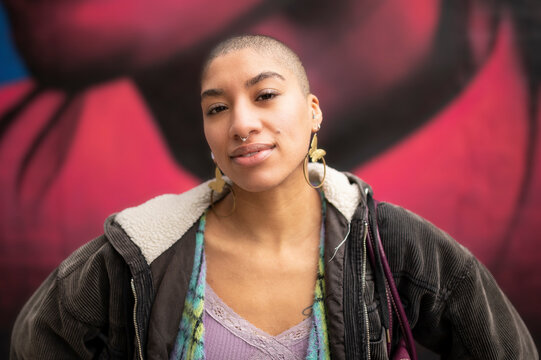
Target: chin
[(256, 181), (256, 186), (261, 181)]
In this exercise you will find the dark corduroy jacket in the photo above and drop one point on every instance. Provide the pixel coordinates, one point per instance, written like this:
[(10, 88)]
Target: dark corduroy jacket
[(122, 295)]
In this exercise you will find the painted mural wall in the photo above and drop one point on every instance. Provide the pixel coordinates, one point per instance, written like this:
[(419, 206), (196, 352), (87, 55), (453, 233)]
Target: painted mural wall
[(435, 103)]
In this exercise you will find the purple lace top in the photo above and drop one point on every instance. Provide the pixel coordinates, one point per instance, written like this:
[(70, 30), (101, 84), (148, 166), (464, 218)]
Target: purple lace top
[(229, 336)]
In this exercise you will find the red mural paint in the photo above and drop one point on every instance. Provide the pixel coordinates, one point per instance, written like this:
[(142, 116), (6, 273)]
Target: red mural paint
[(116, 158)]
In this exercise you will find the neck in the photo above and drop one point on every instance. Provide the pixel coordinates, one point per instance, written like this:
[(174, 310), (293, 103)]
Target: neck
[(274, 218)]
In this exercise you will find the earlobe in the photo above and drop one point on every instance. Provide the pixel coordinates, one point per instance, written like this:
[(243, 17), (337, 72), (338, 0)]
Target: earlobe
[(317, 115)]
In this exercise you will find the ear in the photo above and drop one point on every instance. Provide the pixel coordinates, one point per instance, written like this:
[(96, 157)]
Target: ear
[(316, 116)]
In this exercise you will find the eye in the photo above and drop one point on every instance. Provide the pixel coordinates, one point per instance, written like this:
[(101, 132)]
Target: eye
[(266, 95), (215, 109)]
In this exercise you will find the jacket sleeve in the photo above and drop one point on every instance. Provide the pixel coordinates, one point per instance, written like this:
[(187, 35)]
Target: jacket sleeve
[(453, 303), (73, 312), (483, 322)]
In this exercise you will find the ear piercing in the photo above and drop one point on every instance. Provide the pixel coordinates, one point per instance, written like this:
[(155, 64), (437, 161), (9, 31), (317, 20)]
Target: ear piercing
[(318, 126)]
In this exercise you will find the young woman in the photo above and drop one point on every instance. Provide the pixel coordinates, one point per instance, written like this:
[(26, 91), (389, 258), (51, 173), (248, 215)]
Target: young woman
[(271, 261)]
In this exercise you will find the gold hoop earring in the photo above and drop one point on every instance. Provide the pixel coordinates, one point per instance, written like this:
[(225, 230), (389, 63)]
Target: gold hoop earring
[(315, 154), (218, 186)]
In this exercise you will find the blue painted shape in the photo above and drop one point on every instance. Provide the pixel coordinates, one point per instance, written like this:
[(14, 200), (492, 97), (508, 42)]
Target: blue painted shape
[(11, 65)]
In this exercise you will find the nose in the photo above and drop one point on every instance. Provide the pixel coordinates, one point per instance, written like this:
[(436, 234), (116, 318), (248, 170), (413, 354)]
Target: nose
[(245, 120)]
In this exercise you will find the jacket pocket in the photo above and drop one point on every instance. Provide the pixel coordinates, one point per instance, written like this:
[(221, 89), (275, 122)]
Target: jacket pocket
[(373, 311), (378, 348), (378, 338)]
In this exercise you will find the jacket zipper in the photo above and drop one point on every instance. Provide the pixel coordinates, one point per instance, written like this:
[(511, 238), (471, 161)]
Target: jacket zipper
[(357, 330), (363, 287), (139, 349)]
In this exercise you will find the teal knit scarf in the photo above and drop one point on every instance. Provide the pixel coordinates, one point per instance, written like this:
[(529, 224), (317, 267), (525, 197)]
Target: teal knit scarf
[(190, 345)]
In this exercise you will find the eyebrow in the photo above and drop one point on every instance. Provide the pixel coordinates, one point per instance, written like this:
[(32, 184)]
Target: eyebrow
[(211, 93), (249, 83), (262, 76)]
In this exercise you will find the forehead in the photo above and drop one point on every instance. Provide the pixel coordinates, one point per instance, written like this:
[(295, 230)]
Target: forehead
[(241, 65)]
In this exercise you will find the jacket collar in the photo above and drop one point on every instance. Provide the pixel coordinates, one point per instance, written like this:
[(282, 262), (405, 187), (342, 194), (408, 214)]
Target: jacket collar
[(158, 223)]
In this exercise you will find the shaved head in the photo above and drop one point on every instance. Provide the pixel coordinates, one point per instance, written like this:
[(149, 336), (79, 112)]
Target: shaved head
[(265, 45)]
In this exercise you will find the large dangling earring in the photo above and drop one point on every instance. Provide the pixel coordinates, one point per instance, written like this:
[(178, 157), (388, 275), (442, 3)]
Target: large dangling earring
[(315, 154), (218, 186)]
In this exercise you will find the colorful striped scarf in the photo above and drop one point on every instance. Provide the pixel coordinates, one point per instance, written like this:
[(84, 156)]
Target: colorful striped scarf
[(190, 344)]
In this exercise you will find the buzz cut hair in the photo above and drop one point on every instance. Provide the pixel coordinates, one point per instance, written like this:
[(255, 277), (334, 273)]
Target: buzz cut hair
[(266, 45)]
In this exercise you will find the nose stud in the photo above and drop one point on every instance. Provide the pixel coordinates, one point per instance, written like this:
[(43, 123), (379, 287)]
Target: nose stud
[(243, 139)]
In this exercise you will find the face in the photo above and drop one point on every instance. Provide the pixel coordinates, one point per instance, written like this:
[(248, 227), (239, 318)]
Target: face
[(247, 94)]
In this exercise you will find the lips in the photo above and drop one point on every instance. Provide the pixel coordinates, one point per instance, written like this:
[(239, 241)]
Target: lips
[(251, 154), (250, 150)]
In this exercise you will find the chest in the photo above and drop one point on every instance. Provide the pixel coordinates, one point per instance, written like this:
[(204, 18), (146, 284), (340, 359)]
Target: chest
[(272, 292)]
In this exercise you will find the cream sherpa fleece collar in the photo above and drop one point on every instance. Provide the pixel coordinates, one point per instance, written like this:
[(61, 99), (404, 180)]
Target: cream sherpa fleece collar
[(158, 223)]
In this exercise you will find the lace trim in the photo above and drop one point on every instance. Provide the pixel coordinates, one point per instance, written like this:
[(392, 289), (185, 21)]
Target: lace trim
[(228, 318)]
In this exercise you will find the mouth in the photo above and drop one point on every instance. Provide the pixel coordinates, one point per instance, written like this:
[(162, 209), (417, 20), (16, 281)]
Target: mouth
[(250, 150), (251, 154)]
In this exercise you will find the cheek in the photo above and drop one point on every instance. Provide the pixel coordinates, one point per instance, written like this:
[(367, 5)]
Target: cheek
[(296, 138), (298, 129), (212, 134), (304, 142), (294, 122)]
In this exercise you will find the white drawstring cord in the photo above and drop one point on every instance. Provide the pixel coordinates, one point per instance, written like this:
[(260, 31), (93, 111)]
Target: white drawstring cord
[(342, 243)]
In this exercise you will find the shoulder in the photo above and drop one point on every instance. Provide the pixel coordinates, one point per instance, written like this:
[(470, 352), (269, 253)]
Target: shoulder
[(77, 290), (84, 280), (157, 224), (132, 240), (84, 296), (420, 251)]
